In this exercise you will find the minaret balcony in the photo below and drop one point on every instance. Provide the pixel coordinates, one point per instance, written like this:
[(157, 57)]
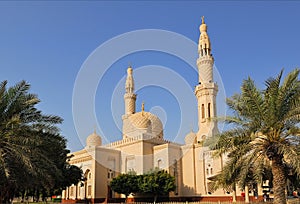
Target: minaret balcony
[(206, 89)]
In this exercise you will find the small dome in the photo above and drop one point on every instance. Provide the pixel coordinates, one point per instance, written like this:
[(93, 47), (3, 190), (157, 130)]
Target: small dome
[(93, 140), (190, 138), (140, 120)]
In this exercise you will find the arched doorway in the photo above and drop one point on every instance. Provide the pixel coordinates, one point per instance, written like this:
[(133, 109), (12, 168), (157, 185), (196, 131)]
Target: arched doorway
[(86, 178)]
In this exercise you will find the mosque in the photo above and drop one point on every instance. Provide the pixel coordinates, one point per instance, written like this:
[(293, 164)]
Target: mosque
[(143, 146)]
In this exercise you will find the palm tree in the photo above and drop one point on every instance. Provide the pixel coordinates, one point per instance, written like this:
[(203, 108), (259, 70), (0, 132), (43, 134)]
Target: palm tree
[(23, 130), (265, 132)]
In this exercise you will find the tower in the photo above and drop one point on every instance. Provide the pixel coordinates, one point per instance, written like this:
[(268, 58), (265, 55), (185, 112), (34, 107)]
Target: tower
[(206, 90), (129, 96)]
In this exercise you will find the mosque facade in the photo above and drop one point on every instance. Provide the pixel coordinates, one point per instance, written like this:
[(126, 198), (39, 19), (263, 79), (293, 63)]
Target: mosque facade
[(143, 146)]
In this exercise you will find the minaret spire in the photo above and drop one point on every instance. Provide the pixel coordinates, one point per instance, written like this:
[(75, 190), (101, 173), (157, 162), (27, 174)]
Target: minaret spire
[(204, 46), (206, 90), (129, 85), (129, 96)]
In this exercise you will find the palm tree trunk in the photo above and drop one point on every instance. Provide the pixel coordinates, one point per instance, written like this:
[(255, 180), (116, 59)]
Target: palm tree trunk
[(234, 194), (247, 200), (279, 181)]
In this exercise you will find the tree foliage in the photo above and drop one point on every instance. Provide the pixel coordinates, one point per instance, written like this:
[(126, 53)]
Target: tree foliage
[(265, 133), (157, 183), (33, 154), (125, 184)]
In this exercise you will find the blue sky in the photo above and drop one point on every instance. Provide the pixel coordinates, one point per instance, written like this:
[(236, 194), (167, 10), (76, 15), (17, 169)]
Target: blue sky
[(46, 43)]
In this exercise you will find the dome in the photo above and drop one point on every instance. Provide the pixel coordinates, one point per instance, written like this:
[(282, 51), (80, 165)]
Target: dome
[(140, 120), (145, 119), (190, 138), (93, 140)]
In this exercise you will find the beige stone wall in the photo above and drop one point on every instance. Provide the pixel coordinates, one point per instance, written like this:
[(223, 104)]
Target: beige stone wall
[(147, 156), (201, 187), (107, 166), (188, 187), (198, 164), (131, 157), (101, 181)]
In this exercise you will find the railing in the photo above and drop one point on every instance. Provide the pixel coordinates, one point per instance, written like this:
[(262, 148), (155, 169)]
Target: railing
[(134, 139)]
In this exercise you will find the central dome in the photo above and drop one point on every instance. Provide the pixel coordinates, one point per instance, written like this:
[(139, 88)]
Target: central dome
[(143, 120), (140, 120)]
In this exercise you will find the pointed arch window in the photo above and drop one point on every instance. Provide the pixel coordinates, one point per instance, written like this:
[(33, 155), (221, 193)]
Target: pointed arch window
[(208, 110), (159, 163), (72, 191), (203, 111)]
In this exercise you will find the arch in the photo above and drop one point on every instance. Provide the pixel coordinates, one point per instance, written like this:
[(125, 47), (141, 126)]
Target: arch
[(110, 174), (130, 163), (86, 177), (72, 191), (202, 111), (86, 174), (159, 163)]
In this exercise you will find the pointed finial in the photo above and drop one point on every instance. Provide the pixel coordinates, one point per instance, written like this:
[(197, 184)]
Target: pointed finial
[(202, 20), (129, 69), (95, 129), (143, 107)]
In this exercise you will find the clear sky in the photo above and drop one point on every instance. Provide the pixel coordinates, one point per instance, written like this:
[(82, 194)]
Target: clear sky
[(47, 43)]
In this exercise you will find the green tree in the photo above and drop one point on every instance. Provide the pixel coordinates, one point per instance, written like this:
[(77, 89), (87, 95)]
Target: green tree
[(158, 183), (125, 184), (33, 154), (264, 132)]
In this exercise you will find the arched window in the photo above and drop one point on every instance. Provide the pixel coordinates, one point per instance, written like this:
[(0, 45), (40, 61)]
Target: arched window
[(208, 109), (110, 174), (89, 190), (72, 191), (130, 163), (159, 163), (87, 174), (203, 111)]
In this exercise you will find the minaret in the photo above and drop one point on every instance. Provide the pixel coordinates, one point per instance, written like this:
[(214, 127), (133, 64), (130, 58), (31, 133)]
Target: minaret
[(129, 96), (206, 91)]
